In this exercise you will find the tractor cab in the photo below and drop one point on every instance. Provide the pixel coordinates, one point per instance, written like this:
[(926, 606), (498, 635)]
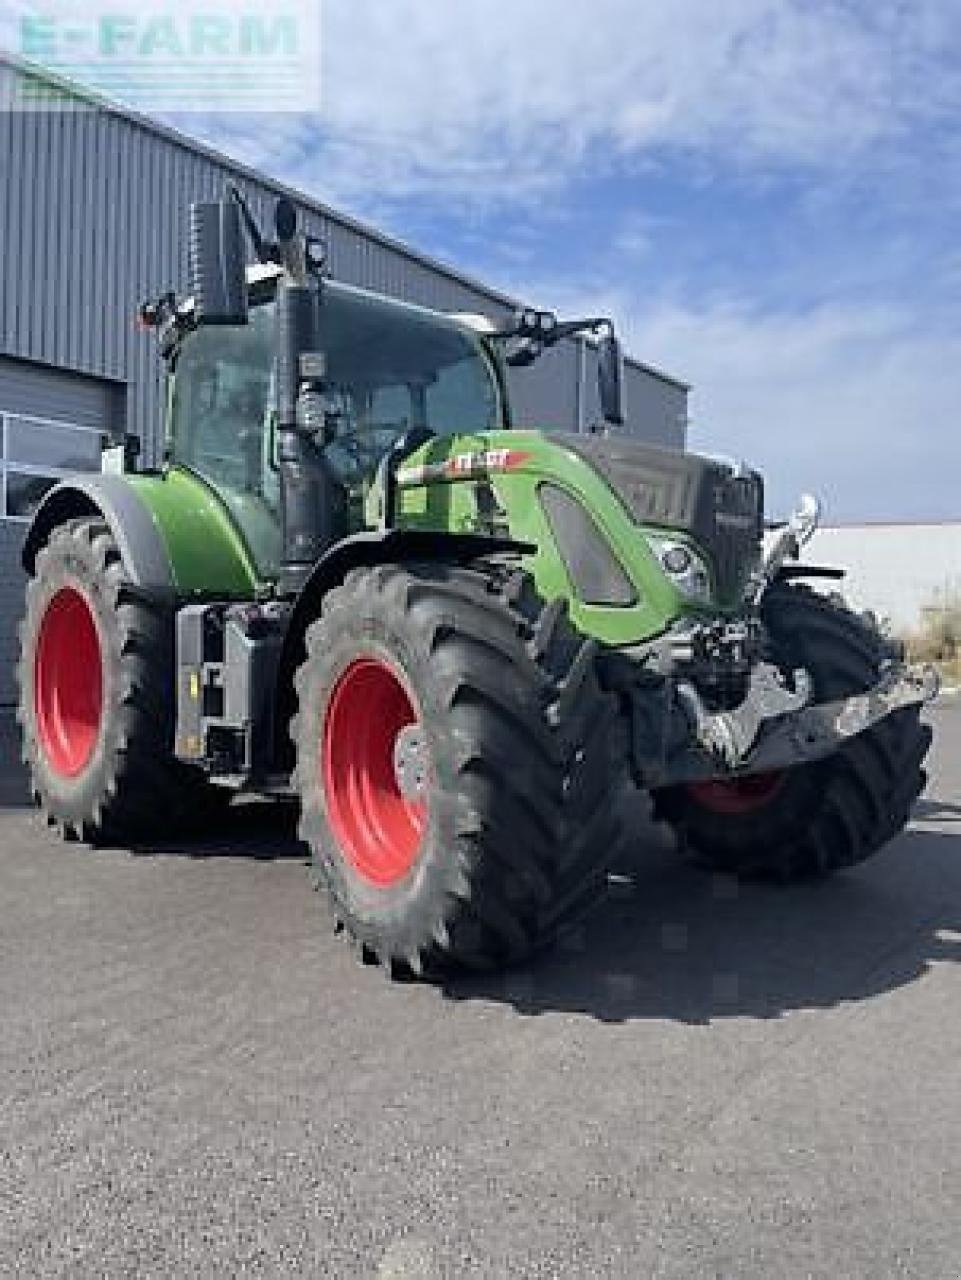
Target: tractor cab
[(391, 369), (295, 397)]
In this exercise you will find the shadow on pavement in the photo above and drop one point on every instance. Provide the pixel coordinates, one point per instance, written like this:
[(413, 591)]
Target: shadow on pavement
[(672, 941), (250, 827), (679, 943)]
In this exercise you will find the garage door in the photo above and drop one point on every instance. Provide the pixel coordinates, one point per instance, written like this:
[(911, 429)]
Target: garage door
[(51, 423)]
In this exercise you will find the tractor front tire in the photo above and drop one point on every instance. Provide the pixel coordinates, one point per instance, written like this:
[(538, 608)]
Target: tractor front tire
[(96, 694), (454, 765), (814, 819)]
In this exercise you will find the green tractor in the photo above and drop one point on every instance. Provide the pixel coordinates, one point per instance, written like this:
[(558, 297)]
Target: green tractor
[(454, 642)]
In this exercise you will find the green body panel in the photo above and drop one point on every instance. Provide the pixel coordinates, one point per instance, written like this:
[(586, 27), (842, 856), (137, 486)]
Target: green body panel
[(211, 552), (208, 554), (452, 504), (210, 548)]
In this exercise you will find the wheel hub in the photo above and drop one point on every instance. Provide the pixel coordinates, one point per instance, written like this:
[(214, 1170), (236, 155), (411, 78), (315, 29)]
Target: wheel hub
[(410, 761)]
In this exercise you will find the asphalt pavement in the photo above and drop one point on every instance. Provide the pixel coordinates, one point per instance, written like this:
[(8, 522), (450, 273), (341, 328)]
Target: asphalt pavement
[(198, 1078)]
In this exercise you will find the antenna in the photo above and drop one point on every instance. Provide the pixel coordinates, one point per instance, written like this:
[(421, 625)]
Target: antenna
[(262, 250)]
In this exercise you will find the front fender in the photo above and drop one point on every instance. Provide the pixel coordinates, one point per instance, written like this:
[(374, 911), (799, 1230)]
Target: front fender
[(379, 546)]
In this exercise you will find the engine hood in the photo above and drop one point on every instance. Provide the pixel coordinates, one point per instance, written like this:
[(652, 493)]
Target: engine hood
[(719, 505)]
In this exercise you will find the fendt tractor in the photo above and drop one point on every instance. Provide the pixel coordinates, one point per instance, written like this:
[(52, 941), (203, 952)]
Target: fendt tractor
[(456, 643)]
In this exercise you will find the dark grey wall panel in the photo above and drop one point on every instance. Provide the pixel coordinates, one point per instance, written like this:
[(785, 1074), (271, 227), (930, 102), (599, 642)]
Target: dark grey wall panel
[(45, 392), (656, 409), (545, 393), (12, 582), (560, 392)]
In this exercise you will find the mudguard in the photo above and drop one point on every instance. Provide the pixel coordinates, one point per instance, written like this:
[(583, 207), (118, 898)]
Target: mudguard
[(377, 546), (127, 516), (175, 535)]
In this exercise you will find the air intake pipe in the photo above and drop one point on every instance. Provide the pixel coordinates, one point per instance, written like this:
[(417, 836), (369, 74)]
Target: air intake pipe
[(312, 503)]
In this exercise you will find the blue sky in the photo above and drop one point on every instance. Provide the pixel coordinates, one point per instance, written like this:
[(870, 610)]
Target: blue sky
[(765, 194)]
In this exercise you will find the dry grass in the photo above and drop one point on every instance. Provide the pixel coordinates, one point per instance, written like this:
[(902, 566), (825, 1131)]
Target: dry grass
[(938, 641)]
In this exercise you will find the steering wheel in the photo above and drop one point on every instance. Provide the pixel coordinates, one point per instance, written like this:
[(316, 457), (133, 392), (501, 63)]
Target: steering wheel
[(367, 444)]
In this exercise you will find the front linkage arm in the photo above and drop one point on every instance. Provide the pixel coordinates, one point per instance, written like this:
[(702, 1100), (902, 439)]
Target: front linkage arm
[(678, 737)]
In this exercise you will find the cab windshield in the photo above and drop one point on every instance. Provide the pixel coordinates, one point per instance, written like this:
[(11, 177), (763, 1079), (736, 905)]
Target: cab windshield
[(390, 367)]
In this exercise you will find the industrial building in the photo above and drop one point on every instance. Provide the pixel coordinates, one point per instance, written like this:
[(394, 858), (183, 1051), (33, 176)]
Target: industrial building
[(93, 220)]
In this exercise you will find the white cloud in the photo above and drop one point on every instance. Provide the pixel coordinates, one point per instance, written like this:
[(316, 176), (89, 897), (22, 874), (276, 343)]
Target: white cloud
[(507, 91), (505, 101), (857, 402), (860, 405)]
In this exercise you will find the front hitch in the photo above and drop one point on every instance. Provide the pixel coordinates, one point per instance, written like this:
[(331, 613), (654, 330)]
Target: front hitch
[(777, 728), (728, 736)]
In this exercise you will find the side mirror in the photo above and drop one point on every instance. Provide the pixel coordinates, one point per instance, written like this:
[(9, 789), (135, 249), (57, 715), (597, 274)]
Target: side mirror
[(217, 276), (610, 379)]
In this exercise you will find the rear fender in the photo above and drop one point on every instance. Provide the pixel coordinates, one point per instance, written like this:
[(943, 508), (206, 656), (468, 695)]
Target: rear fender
[(128, 518)]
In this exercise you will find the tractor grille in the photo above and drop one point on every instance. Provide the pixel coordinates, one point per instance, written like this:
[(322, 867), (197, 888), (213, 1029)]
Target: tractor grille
[(723, 510), (735, 542)]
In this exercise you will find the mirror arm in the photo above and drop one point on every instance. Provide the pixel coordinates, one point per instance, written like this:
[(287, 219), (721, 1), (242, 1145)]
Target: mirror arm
[(264, 251), (171, 319), (531, 340), (569, 328)]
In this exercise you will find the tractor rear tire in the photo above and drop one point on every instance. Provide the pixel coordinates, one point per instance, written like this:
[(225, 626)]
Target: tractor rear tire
[(454, 765), (814, 819), (96, 695)]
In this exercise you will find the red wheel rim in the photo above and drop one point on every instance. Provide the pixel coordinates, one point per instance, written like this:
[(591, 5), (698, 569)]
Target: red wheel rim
[(68, 683), (739, 795), (377, 826)]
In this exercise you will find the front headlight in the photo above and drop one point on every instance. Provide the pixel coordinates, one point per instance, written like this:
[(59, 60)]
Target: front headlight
[(683, 566)]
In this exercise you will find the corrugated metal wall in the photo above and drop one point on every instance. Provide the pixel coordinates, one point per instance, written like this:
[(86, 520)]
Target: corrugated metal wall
[(93, 209)]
